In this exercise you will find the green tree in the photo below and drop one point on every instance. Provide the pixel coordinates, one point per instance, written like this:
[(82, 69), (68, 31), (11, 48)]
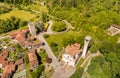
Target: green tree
[(53, 45), (78, 73), (58, 26), (37, 72)]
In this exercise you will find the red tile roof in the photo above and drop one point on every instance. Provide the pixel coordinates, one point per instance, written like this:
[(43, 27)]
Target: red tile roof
[(8, 70), (25, 30), (12, 35), (19, 35), (73, 49), (11, 62), (27, 43), (19, 61), (2, 59), (20, 38), (5, 63), (5, 53), (32, 58)]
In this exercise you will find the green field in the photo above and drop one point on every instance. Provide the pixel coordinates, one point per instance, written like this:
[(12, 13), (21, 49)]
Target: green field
[(37, 8), (58, 38), (24, 15)]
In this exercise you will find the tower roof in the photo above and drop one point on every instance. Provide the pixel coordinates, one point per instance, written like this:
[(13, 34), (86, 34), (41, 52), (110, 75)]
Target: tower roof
[(88, 37)]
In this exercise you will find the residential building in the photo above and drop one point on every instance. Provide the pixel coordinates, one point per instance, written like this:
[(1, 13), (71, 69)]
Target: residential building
[(8, 71), (33, 60), (20, 36)]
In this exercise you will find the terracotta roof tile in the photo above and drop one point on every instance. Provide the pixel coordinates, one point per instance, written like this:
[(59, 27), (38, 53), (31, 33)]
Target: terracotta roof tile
[(2, 59), (32, 58), (19, 61), (19, 35), (20, 38), (5, 63), (73, 49), (5, 53), (9, 69)]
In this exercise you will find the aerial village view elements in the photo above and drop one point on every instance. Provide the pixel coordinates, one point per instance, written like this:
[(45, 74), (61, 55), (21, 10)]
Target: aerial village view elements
[(59, 38)]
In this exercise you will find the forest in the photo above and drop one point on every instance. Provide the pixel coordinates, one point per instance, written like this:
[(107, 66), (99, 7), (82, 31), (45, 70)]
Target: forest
[(11, 24), (93, 17), (17, 2)]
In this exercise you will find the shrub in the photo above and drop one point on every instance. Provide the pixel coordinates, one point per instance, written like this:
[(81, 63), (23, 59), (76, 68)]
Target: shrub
[(58, 26), (78, 73), (46, 36), (53, 46)]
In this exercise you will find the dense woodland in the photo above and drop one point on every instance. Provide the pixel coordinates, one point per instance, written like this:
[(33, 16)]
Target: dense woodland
[(11, 24), (17, 2), (4, 9), (58, 26), (93, 17)]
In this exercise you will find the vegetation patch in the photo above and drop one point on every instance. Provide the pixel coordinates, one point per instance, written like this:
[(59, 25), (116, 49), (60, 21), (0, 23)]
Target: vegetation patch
[(43, 55), (1, 70), (37, 8), (37, 72), (12, 23), (4, 9), (62, 40), (79, 62), (78, 73), (24, 15), (99, 68), (58, 26)]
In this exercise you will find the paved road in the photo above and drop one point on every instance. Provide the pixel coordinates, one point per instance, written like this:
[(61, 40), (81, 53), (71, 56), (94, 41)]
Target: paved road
[(56, 65), (46, 47), (49, 30)]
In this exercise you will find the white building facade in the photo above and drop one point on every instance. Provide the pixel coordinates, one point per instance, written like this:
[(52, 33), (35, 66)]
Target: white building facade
[(72, 54)]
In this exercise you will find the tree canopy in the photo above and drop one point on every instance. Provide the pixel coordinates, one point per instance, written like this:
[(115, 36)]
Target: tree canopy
[(11, 24)]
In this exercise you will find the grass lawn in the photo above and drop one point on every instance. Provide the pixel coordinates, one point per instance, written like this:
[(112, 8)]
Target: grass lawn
[(87, 75), (24, 15), (11, 54), (58, 38), (48, 72), (28, 74), (38, 8)]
